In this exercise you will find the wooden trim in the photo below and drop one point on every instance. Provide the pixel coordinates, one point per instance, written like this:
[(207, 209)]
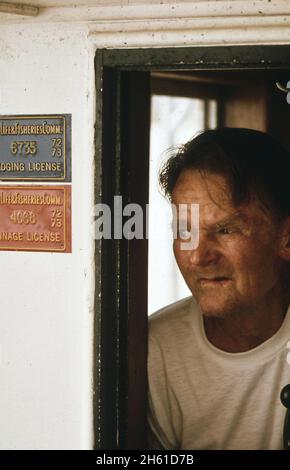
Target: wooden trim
[(161, 86)]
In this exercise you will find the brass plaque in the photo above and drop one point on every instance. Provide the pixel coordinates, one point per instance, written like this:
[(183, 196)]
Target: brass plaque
[(35, 148), (35, 218)]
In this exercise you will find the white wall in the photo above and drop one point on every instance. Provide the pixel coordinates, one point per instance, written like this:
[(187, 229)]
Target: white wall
[(46, 298), (46, 317)]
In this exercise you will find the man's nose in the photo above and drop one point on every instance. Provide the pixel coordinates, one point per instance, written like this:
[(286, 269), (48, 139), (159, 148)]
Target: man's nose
[(205, 253)]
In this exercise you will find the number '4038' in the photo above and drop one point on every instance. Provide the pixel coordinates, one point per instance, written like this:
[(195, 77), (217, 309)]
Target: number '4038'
[(23, 217)]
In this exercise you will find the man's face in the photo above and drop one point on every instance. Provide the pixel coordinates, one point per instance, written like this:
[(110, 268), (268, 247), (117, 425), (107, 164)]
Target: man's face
[(236, 265)]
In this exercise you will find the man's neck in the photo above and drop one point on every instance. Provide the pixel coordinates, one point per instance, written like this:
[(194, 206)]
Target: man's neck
[(246, 330)]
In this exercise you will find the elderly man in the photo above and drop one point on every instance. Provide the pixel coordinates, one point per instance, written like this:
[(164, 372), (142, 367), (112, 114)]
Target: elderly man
[(217, 360)]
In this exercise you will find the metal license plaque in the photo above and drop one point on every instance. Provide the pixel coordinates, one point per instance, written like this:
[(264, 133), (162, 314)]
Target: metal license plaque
[(35, 147), (35, 218)]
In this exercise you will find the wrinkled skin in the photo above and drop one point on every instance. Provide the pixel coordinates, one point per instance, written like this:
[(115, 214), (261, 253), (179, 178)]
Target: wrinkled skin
[(236, 270)]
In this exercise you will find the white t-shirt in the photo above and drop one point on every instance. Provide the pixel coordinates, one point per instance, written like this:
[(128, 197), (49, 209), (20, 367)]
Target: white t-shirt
[(203, 398)]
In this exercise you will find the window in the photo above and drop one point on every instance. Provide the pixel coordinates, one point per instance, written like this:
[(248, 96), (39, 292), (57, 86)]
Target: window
[(174, 120)]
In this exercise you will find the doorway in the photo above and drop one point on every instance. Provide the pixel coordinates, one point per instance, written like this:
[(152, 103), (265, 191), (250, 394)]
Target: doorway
[(200, 101), (231, 86)]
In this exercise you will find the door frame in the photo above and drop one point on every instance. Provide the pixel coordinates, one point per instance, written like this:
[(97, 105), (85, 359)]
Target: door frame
[(120, 331)]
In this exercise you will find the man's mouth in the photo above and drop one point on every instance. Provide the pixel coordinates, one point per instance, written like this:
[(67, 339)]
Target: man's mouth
[(213, 280)]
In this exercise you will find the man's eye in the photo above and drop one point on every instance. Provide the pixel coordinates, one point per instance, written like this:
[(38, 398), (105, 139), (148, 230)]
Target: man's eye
[(225, 231)]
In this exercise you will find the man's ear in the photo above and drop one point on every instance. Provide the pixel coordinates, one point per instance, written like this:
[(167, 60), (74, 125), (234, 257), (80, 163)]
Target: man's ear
[(284, 240)]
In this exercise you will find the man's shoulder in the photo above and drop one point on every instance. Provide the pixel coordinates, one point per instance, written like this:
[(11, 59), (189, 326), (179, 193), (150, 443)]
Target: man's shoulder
[(173, 316)]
